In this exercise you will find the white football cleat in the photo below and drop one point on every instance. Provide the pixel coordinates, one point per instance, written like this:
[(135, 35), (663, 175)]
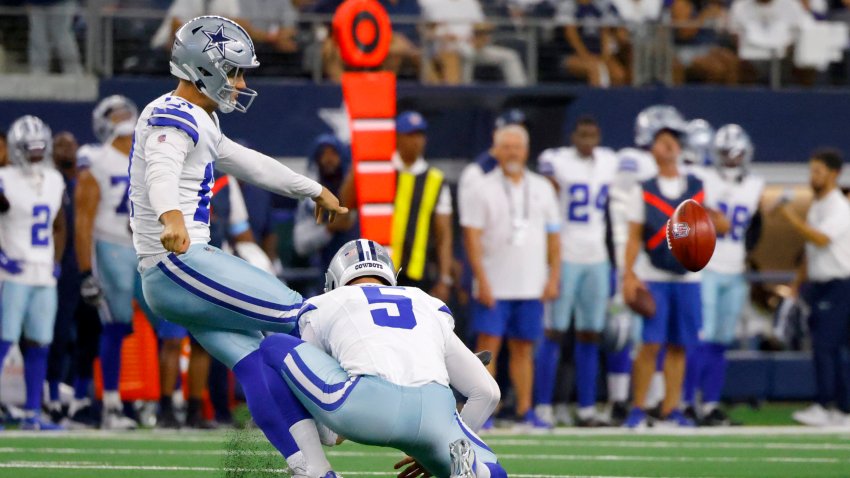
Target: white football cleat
[(116, 420)]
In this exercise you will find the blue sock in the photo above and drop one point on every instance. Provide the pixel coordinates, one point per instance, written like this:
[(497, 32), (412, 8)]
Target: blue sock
[(714, 371), (496, 470), (81, 387), (620, 362), (110, 353), (587, 367), (53, 388), (545, 369), (693, 372), (250, 371), (35, 371)]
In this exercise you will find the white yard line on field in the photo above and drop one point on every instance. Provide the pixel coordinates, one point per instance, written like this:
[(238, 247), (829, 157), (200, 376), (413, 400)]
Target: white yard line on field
[(390, 454), (24, 465)]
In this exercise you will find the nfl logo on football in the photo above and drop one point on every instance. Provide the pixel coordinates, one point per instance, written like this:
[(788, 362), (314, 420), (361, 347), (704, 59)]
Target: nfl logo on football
[(680, 230)]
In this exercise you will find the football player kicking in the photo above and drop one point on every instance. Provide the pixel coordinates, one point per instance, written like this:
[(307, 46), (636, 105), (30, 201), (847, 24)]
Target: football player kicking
[(375, 365), (223, 301)]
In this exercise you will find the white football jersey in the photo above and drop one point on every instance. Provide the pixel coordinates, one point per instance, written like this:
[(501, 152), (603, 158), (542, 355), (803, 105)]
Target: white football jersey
[(109, 167), (26, 229), (396, 333), (583, 197), (196, 176), (738, 201), (635, 166)]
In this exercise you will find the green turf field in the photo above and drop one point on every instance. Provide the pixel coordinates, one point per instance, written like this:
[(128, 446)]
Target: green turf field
[(733, 452)]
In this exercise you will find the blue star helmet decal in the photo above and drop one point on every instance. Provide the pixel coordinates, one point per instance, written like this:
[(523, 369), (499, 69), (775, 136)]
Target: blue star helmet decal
[(217, 40)]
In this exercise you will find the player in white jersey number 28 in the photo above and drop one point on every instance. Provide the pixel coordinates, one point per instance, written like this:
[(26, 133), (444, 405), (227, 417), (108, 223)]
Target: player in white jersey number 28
[(223, 301), (375, 365)]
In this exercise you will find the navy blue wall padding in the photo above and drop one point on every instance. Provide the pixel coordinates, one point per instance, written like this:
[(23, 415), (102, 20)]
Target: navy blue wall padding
[(785, 125)]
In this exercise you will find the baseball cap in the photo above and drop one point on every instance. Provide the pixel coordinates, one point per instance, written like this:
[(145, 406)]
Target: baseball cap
[(410, 122), (511, 116)]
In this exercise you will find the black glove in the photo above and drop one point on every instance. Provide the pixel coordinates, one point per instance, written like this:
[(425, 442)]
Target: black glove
[(90, 289)]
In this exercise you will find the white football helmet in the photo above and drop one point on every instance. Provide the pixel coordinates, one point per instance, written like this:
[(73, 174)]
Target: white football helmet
[(115, 115), (359, 258), (698, 143), (733, 149), (30, 143), (654, 119)]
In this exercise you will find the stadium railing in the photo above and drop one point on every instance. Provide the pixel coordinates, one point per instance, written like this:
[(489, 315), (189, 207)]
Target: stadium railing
[(117, 42)]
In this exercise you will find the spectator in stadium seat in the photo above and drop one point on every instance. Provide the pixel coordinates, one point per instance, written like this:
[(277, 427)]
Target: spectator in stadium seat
[(589, 28), (273, 25), (50, 29), (826, 271), (511, 234), (459, 38), (765, 29), (697, 44)]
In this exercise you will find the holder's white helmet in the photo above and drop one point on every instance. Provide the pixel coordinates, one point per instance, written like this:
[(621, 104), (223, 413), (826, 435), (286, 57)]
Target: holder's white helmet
[(359, 258)]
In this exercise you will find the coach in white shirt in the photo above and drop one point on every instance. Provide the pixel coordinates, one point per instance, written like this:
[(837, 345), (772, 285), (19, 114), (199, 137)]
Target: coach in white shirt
[(827, 270), (511, 235)]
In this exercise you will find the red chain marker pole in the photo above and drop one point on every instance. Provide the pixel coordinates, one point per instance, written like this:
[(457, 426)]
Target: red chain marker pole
[(363, 32)]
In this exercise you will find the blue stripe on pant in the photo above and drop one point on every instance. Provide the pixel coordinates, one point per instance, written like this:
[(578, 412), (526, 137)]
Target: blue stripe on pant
[(420, 421), (222, 300)]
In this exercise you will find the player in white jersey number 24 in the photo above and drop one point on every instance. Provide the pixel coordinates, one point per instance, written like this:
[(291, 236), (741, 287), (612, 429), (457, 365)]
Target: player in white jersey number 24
[(223, 301)]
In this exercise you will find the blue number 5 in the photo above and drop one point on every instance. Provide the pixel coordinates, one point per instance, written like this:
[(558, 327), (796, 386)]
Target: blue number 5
[(394, 309), (41, 214), (202, 213), (124, 183)]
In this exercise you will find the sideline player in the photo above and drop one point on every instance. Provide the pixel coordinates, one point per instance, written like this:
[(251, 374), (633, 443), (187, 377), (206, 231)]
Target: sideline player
[(636, 165), (223, 301), (732, 190), (582, 175), (33, 232), (107, 261), (375, 365)]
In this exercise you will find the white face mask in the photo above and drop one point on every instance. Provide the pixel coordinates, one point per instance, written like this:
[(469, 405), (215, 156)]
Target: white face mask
[(124, 128)]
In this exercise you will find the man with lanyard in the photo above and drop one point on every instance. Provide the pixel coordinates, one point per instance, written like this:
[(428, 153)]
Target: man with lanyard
[(512, 236)]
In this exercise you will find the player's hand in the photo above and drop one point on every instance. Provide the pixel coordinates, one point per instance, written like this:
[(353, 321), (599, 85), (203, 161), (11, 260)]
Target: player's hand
[(631, 284), (327, 202), (413, 470), (90, 289), (551, 291), (175, 236), (485, 295)]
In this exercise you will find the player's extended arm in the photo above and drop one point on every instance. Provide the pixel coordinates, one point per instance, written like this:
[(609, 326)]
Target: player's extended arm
[(470, 377), (60, 235), (86, 199), (268, 173), (721, 222), (809, 233)]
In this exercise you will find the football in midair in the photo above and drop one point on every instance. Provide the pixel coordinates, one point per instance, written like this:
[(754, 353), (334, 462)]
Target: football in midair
[(691, 236)]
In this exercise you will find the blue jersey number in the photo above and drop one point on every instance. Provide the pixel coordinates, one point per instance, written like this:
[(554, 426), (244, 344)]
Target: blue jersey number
[(41, 215), (130, 168), (122, 182), (579, 199), (739, 219), (202, 213), (394, 310)]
